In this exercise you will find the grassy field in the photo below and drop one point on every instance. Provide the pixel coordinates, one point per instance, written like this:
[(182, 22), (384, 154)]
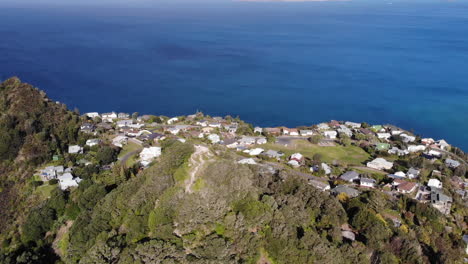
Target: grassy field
[(350, 155)]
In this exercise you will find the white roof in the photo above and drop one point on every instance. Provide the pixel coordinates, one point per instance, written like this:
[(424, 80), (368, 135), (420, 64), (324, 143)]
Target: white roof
[(434, 183)]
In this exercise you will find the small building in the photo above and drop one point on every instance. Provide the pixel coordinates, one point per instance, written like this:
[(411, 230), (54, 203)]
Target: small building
[(123, 116), (441, 202), (67, 180), (297, 157), (255, 151), (290, 131), (258, 130), (109, 117), (349, 176), (385, 136), (275, 131), (380, 164), (349, 191), (353, 124), (416, 148), (398, 152), (214, 138), (92, 115), (93, 142), (326, 168), (434, 183), (413, 173), (306, 132), (367, 182), (323, 126), (125, 123), (452, 163), (322, 186), (407, 187), (407, 138), (119, 141), (330, 134), (172, 120), (147, 155), (273, 154), (345, 131), (75, 149)]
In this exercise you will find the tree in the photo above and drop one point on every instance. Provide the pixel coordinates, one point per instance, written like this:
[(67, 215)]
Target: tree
[(106, 155), (315, 139), (135, 115)]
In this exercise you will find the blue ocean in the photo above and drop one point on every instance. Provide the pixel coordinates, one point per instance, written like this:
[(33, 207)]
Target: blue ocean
[(294, 63)]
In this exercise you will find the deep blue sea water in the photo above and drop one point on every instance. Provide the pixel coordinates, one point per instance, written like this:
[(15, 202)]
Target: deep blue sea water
[(404, 63)]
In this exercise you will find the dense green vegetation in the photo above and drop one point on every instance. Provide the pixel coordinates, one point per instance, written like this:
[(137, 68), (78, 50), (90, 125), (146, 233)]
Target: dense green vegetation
[(233, 213)]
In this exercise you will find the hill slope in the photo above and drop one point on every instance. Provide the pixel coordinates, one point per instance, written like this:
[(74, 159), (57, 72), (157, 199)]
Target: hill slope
[(194, 204)]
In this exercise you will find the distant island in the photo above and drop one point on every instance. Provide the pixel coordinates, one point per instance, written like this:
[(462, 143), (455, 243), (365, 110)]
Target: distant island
[(132, 188)]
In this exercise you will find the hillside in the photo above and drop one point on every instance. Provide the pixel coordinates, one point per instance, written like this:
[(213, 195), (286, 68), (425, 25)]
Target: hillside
[(198, 199)]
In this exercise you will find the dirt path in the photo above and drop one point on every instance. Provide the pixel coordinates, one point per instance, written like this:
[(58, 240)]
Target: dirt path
[(62, 231), (196, 162)]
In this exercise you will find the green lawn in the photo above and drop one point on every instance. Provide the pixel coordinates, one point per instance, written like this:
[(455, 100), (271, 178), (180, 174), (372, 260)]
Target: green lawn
[(350, 155), (45, 190), (129, 148)]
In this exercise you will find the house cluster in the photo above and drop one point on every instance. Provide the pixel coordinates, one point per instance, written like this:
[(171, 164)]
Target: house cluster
[(64, 176)]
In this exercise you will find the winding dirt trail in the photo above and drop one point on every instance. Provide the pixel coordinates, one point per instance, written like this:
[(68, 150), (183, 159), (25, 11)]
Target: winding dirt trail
[(196, 162)]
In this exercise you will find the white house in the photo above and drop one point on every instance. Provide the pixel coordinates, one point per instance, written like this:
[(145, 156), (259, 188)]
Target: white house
[(323, 126), (215, 125), (442, 144), (92, 142), (306, 132), (380, 164), (294, 163), (214, 138), (434, 183), (452, 163), (75, 149), (400, 174), (119, 141), (172, 120), (92, 114), (427, 141), (245, 141), (413, 173), (384, 135), (202, 123), (147, 155), (66, 181), (397, 151), (434, 153), (255, 151), (330, 134), (326, 168), (367, 182), (353, 124), (407, 138), (258, 130), (416, 148), (124, 123), (173, 130), (261, 140), (109, 117), (345, 130)]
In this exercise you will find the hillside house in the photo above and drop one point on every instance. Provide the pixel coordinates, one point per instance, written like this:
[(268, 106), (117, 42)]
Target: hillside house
[(380, 164), (349, 176)]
